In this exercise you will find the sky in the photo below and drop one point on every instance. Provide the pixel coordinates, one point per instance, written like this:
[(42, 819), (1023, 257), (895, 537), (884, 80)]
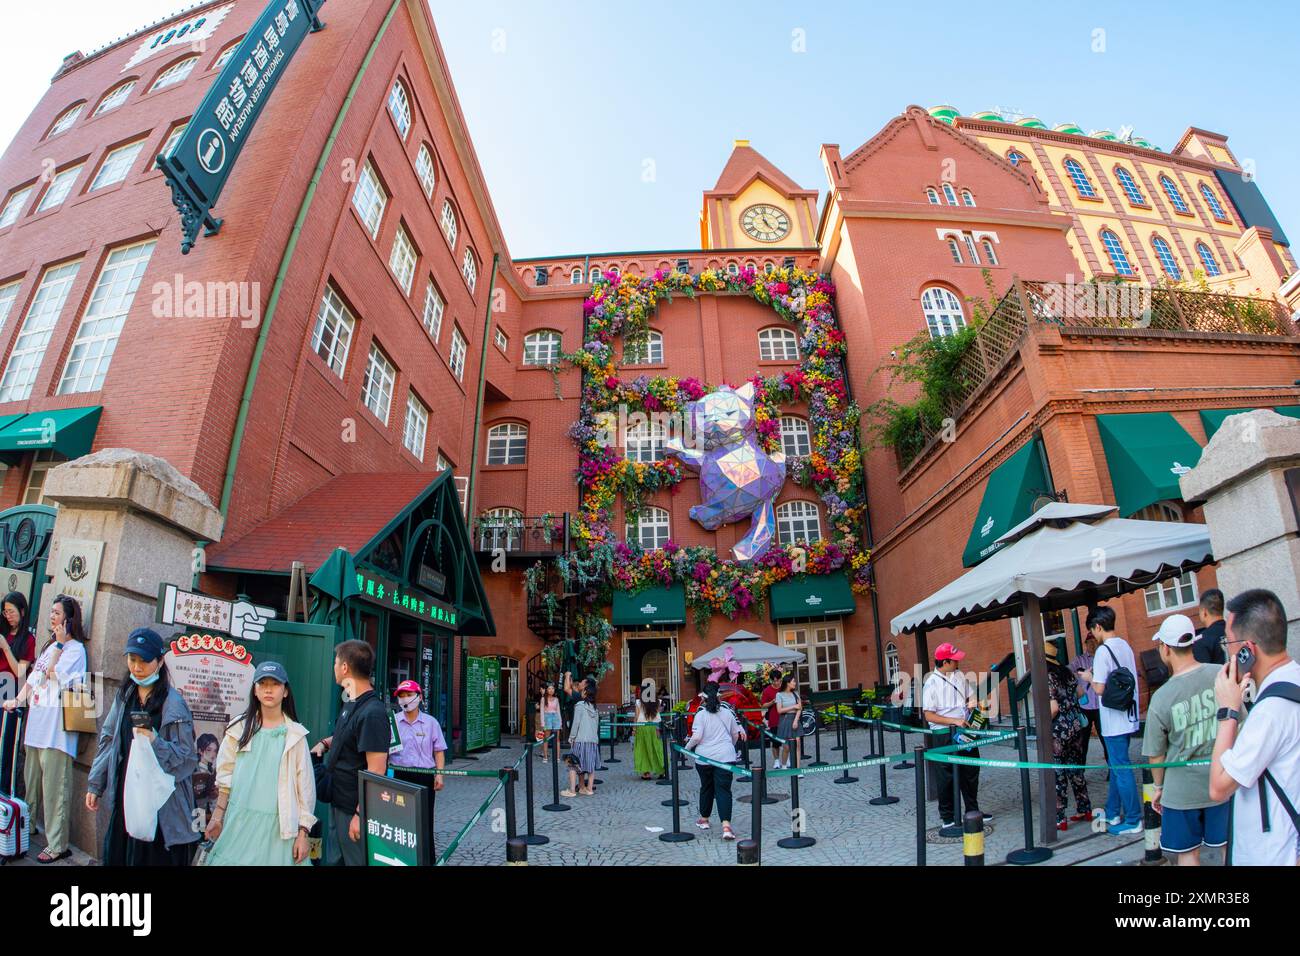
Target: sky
[(599, 124)]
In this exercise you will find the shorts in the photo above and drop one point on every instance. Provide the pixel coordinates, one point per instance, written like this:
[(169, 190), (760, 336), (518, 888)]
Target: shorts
[(1182, 831), (550, 721)]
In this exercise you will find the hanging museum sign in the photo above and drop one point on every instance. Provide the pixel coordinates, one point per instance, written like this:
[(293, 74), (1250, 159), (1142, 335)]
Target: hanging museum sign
[(201, 161)]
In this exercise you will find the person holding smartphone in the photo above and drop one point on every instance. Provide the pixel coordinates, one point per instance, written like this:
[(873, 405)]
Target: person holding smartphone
[(1256, 758)]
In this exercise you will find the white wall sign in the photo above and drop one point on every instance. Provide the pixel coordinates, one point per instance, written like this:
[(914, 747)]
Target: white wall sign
[(77, 574), (177, 36)]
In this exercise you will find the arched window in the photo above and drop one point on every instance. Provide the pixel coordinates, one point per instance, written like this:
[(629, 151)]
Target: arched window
[(966, 198), (1014, 158), (769, 268), (1207, 260), (644, 441), (507, 444), (1166, 257), (613, 270), (949, 194), (1130, 186), (795, 439), (469, 268), (1115, 251), (933, 196), (1080, 179), (370, 198), (114, 98), (174, 74), (967, 238), (990, 256), (955, 249), (751, 265), (500, 528), (575, 277), (225, 55), (399, 107), (595, 274), (425, 169), (778, 345), (542, 347), (733, 268), (798, 521), (1175, 197), (650, 529), (943, 312), (66, 119), (1211, 200), (649, 352), (449, 226)]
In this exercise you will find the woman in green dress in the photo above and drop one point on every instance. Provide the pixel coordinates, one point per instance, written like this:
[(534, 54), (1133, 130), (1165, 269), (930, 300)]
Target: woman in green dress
[(647, 755), (265, 783)]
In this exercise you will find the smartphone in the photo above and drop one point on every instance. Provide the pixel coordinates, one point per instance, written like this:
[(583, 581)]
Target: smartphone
[(140, 720), (1245, 659)]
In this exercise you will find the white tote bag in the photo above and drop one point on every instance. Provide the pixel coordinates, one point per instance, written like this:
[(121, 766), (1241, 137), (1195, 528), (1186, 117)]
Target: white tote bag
[(147, 788)]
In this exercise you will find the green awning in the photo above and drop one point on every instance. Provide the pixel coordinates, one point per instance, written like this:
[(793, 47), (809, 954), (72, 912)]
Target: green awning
[(1146, 452), (69, 431), (812, 595), (650, 606), (1213, 418), (1008, 500)]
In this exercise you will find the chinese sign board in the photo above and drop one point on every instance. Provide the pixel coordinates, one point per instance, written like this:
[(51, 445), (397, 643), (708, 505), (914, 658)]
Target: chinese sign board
[(77, 573), (214, 674), (482, 702), (192, 33), (393, 821), (242, 620), (384, 590), (198, 166)]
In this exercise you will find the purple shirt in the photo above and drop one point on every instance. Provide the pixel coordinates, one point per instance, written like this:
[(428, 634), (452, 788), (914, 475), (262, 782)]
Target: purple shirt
[(420, 739), (1088, 697)]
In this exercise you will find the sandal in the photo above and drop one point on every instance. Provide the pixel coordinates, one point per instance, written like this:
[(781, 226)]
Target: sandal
[(44, 856), (567, 793)]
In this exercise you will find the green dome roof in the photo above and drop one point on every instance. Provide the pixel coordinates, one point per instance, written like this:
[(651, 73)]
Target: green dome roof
[(945, 113), (1031, 122), (1105, 134), (1139, 141), (1068, 128), (989, 115)]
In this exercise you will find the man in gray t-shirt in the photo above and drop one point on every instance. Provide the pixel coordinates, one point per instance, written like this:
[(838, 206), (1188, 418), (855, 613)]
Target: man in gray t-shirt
[(1181, 725)]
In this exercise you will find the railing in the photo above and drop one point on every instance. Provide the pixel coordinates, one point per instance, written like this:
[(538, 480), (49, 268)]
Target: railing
[(1085, 306), (544, 535)]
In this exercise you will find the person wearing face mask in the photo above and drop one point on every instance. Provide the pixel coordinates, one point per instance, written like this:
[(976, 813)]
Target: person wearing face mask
[(147, 706), (423, 746)]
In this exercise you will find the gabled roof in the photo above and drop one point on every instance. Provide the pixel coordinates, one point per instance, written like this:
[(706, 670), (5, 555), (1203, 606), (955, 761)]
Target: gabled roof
[(747, 164)]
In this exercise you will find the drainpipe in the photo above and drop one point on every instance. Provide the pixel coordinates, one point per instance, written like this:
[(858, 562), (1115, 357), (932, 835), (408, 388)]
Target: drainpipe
[(228, 486), (469, 488)]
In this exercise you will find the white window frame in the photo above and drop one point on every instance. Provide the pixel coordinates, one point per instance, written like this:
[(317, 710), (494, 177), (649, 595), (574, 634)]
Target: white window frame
[(595, 274), (370, 198), (435, 306), (1217, 211), (651, 529), (176, 73), (943, 311), (442, 464), (575, 277), (645, 442), (949, 194), (507, 444), (116, 164), (8, 296), (448, 222), (796, 436), (966, 198), (65, 120), (42, 462), (649, 352), (173, 138), (114, 98), (14, 205), (416, 429), (332, 336), (426, 170), (967, 238), (815, 639), (989, 252), (1174, 194), (733, 269), (796, 520), (399, 108), (933, 195), (469, 268), (500, 528), (1171, 595), (1202, 252), (542, 347), (954, 249), (226, 54), (59, 188), (401, 261), (101, 324), (456, 359), (377, 387), (893, 664), (34, 336), (776, 344), (500, 339)]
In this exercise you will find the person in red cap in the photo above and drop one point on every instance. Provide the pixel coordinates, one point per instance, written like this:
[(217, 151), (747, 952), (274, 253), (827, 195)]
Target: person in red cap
[(423, 746), (947, 703)]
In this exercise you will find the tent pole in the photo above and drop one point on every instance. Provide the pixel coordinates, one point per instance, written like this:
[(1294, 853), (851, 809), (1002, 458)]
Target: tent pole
[(1033, 625)]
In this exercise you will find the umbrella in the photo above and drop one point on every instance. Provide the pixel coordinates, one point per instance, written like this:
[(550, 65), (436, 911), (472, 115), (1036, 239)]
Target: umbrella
[(748, 649)]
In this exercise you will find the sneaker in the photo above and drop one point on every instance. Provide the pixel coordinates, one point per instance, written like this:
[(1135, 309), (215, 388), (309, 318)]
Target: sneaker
[(1062, 825), (1114, 821), (987, 816), (1123, 829), (946, 825)]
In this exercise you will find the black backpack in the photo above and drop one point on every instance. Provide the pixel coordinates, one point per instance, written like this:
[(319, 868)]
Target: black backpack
[(1121, 686)]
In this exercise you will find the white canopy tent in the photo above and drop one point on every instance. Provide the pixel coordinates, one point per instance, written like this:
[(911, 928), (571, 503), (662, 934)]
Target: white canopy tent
[(749, 650), (1062, 556)]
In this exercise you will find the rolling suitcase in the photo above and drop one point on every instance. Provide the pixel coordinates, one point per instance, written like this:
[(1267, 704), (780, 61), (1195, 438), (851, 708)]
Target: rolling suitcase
[(11, 740), (15, 818)]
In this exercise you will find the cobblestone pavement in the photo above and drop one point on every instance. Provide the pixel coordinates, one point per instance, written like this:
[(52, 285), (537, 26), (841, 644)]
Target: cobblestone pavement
[(620, 825)]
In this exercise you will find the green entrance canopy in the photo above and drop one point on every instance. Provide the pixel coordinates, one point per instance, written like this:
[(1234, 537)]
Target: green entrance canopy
[(1146, 452), (1008, 500), (659, 605), (69, 431), (1213, 418), (812, 595)]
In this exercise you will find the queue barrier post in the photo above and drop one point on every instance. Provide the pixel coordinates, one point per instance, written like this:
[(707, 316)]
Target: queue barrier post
[(516, 849), (764, 798), (663, 781), (555, 806), (884, 799), (844, 736), (972, 843), (671, 766), (902, 749), (1030, 854), (841, 737), (796, 840), (918, 763), (750, 852), (817, 743), (1153, 855), (613, 732), (531, 838), (675, 835)]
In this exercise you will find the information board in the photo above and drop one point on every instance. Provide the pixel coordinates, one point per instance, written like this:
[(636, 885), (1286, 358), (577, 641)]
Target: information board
[(475, 678), (393, 821)]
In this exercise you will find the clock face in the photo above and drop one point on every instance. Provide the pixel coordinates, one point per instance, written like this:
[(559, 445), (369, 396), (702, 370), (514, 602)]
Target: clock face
[(765, 223)]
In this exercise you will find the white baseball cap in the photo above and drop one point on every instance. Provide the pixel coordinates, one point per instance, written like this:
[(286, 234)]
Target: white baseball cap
[(1176, 630)]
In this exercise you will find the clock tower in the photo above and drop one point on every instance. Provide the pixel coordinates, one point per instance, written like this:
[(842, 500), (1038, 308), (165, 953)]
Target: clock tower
[(756, 206)]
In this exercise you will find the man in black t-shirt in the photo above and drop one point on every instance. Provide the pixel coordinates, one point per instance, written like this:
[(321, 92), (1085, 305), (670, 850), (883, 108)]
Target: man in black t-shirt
[(1208, 648), (360, 742)]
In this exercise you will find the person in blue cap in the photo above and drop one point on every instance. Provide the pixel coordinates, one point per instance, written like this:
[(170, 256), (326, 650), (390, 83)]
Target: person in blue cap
[(146, 706), (266, 789)]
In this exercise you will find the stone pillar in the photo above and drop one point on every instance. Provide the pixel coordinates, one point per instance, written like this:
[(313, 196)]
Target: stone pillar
[(149, 517), (1241, 480)]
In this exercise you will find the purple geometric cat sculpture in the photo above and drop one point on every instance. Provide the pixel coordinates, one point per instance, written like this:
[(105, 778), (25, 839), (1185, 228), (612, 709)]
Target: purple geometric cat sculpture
[(737, 478)]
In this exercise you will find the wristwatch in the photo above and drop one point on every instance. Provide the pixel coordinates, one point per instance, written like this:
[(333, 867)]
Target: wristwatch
[(1226, 713)]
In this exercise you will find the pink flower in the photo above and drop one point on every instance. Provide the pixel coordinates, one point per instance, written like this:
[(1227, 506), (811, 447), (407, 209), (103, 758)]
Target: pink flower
[(612, 382)]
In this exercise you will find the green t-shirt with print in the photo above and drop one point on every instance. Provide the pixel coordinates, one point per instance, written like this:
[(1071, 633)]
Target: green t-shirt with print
[(1181, 724)]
